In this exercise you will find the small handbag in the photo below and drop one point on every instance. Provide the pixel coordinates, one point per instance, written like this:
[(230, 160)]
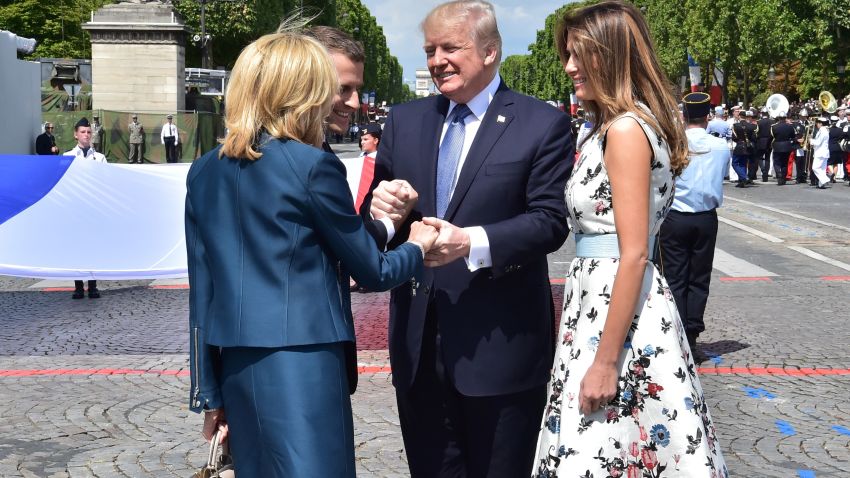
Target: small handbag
[(219, 462)]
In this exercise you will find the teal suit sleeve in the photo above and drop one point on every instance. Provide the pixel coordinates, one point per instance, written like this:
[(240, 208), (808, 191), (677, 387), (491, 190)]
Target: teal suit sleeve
[(204, 392), (346, 235)]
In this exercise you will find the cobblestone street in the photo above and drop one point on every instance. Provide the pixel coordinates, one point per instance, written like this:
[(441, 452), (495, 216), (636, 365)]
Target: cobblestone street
[(99, 387)]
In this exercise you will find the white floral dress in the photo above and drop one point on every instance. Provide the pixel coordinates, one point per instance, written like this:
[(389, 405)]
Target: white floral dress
[(658, 424)]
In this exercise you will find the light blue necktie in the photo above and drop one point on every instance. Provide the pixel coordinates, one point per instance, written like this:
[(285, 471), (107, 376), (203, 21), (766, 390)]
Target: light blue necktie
[(449, 157)]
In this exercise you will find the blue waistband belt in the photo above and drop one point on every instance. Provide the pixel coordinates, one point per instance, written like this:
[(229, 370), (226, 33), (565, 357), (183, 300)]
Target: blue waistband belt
[(604, 246)]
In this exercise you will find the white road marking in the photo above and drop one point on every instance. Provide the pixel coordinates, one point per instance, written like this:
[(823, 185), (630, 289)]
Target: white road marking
[(820, 257), (735, 267), (169, 282), (791, 214), (51, 283), (749, 229)]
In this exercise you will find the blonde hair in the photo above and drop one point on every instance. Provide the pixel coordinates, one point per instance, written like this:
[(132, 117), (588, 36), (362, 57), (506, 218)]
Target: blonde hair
[(485, 30), (282, 84), (612, 38)]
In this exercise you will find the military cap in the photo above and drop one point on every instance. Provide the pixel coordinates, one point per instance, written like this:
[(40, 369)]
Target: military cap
[(718, 111), (822, 120), (696, 105), (371, 128), (84, 122), (134, 116), (169, 117), (749, 113), (833, 118)]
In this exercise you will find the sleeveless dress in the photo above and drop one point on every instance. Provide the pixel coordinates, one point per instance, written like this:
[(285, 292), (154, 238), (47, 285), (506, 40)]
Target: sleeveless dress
[(658, 425)]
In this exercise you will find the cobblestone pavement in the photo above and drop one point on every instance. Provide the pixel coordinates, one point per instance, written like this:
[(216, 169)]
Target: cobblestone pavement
[(99, 387)]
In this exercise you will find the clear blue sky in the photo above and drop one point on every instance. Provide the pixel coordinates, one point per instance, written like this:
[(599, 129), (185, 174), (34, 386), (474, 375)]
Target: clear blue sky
[(518, 21)]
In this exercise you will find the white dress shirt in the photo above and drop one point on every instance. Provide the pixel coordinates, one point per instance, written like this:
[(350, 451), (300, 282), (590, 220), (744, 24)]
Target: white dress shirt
[(479, 244), (169, 129), (820, 143), (77, 152)]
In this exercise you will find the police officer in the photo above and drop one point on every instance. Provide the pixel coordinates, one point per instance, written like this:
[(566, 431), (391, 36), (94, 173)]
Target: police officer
[(783, 141), (744, 135), (763, 141), (170, 138), (137, 132), (96, 134), (689, 232)]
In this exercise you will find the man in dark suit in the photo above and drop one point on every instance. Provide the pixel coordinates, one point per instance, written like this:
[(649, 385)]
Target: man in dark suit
[(784, 139), (45, 143), (471, 343)]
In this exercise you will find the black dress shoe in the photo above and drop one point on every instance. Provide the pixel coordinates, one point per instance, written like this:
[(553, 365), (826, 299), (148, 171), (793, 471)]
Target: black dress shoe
[(78, 294), (94, 294)]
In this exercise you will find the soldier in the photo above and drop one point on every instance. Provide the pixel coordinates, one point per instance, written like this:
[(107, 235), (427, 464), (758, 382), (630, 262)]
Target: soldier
[(744, 135), (783, 139), (801, 127), (763, 140), (97, 134), (137, 132)]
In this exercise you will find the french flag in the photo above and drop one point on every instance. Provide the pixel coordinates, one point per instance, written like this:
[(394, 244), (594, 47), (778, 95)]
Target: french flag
[(66, 218)]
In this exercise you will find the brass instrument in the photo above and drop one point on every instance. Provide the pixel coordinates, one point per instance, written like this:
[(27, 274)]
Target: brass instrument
[(777, 105), (827, 102)]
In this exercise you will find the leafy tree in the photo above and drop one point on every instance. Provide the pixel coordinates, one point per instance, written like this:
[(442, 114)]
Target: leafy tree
[(56, 25)]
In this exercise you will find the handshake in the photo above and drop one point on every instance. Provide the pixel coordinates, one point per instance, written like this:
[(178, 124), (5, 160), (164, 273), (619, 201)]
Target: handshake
[(441, 241)]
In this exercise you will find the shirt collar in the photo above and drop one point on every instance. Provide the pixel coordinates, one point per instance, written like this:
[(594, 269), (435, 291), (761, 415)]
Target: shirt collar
[(479, 103)]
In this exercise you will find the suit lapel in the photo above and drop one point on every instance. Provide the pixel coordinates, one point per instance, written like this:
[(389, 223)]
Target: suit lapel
[(432, 129), (496, 121)]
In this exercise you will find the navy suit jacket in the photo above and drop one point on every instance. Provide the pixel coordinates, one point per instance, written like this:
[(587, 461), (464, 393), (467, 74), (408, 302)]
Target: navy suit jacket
[(496, 324), (264, 239)]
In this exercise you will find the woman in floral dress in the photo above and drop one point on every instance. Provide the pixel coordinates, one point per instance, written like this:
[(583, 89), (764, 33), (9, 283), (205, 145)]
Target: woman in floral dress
[(624, 398)]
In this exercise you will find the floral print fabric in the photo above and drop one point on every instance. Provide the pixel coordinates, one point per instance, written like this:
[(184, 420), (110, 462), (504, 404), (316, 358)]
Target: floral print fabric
[(658, 425)]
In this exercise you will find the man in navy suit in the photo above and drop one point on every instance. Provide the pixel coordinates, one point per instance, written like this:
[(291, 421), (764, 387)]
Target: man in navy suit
[(471, 343)]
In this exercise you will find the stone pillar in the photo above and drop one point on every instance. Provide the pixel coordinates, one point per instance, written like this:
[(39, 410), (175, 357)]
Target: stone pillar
[(138, 58)]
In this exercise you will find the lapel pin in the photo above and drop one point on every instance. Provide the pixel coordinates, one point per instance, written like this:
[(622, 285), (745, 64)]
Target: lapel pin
[(500, 119)]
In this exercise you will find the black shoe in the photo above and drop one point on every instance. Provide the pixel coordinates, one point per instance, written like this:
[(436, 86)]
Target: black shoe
[(741, 184), (749, 181), (764, 179), (78, 294), (94, 294)]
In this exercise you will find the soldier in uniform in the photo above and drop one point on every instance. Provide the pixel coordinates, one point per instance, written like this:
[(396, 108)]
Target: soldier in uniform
[(97, 134), (783, 141), (137, 132), (837, 157), (763, 140), (744, 135), (170, 138), (800, 155)]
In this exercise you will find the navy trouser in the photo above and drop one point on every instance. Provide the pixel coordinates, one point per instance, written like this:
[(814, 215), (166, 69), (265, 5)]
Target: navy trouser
[(288, 411), (687, 256), (740, 163)]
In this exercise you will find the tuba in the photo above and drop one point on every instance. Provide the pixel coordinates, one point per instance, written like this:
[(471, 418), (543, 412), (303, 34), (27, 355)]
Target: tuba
[(827, 102), (777, 105)]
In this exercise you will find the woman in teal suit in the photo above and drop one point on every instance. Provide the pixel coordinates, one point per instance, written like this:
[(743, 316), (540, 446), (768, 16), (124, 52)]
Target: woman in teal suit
[(269, 225)]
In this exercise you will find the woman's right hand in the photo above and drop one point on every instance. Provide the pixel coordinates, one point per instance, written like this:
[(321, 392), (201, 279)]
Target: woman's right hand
[(423, 234), (214, 420)]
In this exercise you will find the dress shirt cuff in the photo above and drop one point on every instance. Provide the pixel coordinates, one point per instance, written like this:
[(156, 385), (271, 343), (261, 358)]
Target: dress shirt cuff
[(479, 249), (390, 228)]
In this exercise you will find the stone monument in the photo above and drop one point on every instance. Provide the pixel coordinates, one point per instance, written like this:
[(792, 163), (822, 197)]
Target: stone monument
[(138, 57)]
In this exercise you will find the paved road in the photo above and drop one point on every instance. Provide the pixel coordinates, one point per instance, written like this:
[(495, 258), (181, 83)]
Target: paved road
[(98, 387)]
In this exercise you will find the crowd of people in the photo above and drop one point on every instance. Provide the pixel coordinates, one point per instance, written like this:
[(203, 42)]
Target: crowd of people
[(45, 143), (466, 199)]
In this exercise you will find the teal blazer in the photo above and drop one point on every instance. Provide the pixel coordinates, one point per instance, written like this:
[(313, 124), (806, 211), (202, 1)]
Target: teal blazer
[(265, 242)]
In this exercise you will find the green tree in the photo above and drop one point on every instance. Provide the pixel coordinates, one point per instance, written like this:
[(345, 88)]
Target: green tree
[(56, 25), (665, 20)]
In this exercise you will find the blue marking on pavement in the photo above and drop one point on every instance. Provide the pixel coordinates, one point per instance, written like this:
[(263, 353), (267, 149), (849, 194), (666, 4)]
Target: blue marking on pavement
[(758, 393), (841, 430), (713, 356), (785, 428), (806, 473)]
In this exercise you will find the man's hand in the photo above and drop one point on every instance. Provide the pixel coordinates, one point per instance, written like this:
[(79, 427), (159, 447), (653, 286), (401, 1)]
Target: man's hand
[(393, 199), (451, 244)]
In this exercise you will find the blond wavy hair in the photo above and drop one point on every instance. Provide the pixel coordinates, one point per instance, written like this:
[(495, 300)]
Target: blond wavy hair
[(613, 39), (282, 84)]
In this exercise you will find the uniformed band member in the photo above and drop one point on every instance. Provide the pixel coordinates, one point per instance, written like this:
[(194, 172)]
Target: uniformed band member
[(170, 137), (820, 152), (801, 156), (744, 135), (689, 232), (137, 132), (84, 150), (96, 134), (783, 139), (837, 157), (763, 152)]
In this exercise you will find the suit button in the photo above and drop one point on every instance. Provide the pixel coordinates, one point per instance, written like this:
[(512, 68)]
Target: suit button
[(427, 290)]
